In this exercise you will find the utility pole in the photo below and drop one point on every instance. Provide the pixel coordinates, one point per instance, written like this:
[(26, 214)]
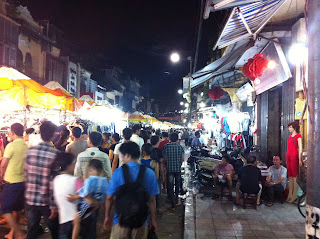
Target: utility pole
[(313, 172), (190, 75)]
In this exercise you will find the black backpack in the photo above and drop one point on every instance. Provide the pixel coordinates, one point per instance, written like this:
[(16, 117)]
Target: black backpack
[(132, 200)]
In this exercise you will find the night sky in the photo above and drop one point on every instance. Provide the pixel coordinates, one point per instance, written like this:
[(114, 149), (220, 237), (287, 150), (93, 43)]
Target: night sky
[(137, 35)]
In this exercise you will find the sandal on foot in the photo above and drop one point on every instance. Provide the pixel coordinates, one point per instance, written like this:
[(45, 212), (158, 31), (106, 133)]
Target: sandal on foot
[(269, 204)]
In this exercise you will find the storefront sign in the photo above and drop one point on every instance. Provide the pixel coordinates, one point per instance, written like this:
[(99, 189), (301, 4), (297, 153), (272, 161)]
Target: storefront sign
[(273, 77), (186, 84), (244, 91), (299, 107)]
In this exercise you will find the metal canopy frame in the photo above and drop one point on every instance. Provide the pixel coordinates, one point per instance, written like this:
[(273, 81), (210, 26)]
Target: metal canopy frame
[(251, 32), (216, 5), (221, 66)]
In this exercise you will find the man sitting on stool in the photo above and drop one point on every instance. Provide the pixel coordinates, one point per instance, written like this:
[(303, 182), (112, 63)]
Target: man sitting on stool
[(249, 178), (223, 174), (276, 180)]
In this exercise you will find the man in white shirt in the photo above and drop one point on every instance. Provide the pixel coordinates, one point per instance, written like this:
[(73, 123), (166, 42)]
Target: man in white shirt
[(135, 136), (276, 181), (117, 162), (93, 152)]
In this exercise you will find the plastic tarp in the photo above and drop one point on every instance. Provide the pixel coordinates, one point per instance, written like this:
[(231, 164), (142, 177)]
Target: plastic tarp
[(27, 96), (137, 117), (19, 88)]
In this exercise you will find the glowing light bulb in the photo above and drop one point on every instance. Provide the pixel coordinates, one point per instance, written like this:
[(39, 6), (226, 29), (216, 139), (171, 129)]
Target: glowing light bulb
[(272, 64)]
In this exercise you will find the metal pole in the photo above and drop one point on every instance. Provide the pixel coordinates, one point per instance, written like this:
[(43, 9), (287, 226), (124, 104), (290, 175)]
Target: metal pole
[(313, 175), (198, 35), (25, 124), (190, 105)]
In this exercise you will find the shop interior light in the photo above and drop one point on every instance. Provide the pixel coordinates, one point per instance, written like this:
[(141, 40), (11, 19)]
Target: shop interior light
[(298, 53), (272, 64)]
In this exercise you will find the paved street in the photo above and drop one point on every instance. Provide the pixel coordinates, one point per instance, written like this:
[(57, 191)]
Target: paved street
[(223, 219), (170, 225)]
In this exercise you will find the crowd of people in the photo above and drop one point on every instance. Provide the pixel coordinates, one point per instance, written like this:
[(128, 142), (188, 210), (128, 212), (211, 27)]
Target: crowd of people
[(277, 180), (68, 178)]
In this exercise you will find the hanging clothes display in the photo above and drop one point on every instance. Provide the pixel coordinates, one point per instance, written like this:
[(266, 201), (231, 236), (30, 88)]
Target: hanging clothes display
[(225, 125)]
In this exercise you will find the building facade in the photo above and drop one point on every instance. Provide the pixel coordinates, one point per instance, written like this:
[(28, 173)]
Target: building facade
[(9, 32)]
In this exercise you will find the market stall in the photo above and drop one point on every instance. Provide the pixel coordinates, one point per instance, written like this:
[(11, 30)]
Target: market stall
[(26, 101)]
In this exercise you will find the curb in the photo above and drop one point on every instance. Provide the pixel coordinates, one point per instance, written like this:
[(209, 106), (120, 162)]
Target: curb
[(189, 218), (190, 209)]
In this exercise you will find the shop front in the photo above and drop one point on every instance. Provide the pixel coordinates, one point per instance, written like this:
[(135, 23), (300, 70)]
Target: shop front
[(275, 105)]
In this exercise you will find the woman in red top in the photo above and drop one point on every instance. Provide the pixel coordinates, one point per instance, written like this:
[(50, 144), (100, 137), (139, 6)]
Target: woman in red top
[(294, 159)]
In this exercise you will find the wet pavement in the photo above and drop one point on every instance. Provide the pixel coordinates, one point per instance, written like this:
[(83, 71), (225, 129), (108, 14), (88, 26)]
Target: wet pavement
[(170, 223), (221, 219)]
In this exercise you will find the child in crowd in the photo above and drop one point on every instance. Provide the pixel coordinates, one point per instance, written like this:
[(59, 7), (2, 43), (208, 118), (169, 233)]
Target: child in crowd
[(152, 164), (63, 185), (93, 193), (147, 160)]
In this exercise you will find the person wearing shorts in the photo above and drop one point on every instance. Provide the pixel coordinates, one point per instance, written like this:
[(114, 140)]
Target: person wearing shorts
[(12, 170)]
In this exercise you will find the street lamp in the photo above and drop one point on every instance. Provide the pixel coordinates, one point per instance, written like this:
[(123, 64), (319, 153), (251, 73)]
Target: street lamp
[(202, 105), (186, 105), (175, 57), (180, 92), (181, 103)]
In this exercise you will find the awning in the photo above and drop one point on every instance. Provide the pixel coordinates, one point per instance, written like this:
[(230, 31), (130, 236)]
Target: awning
[(221, 66), (216, 5), (247, 21)]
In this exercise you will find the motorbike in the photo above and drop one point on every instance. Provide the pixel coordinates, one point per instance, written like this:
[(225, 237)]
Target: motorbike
[(202, 165)]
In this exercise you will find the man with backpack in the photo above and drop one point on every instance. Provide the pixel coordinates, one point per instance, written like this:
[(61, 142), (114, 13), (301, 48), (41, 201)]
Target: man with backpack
[(133, 188)]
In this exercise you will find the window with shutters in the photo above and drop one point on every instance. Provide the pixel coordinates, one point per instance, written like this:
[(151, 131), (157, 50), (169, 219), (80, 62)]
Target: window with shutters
[(1, 29), (1, 54), (8, 42), (12, 57), (19, 62), (55, 70), (28, 63)]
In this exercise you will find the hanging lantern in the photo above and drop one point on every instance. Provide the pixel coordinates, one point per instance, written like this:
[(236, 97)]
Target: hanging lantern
[(216, 93), (246, 70), (255, 67)]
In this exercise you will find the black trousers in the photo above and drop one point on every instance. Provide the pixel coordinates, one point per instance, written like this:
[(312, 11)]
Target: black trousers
[(186, 141), (174, 180), (272, 190), (34, 214)]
